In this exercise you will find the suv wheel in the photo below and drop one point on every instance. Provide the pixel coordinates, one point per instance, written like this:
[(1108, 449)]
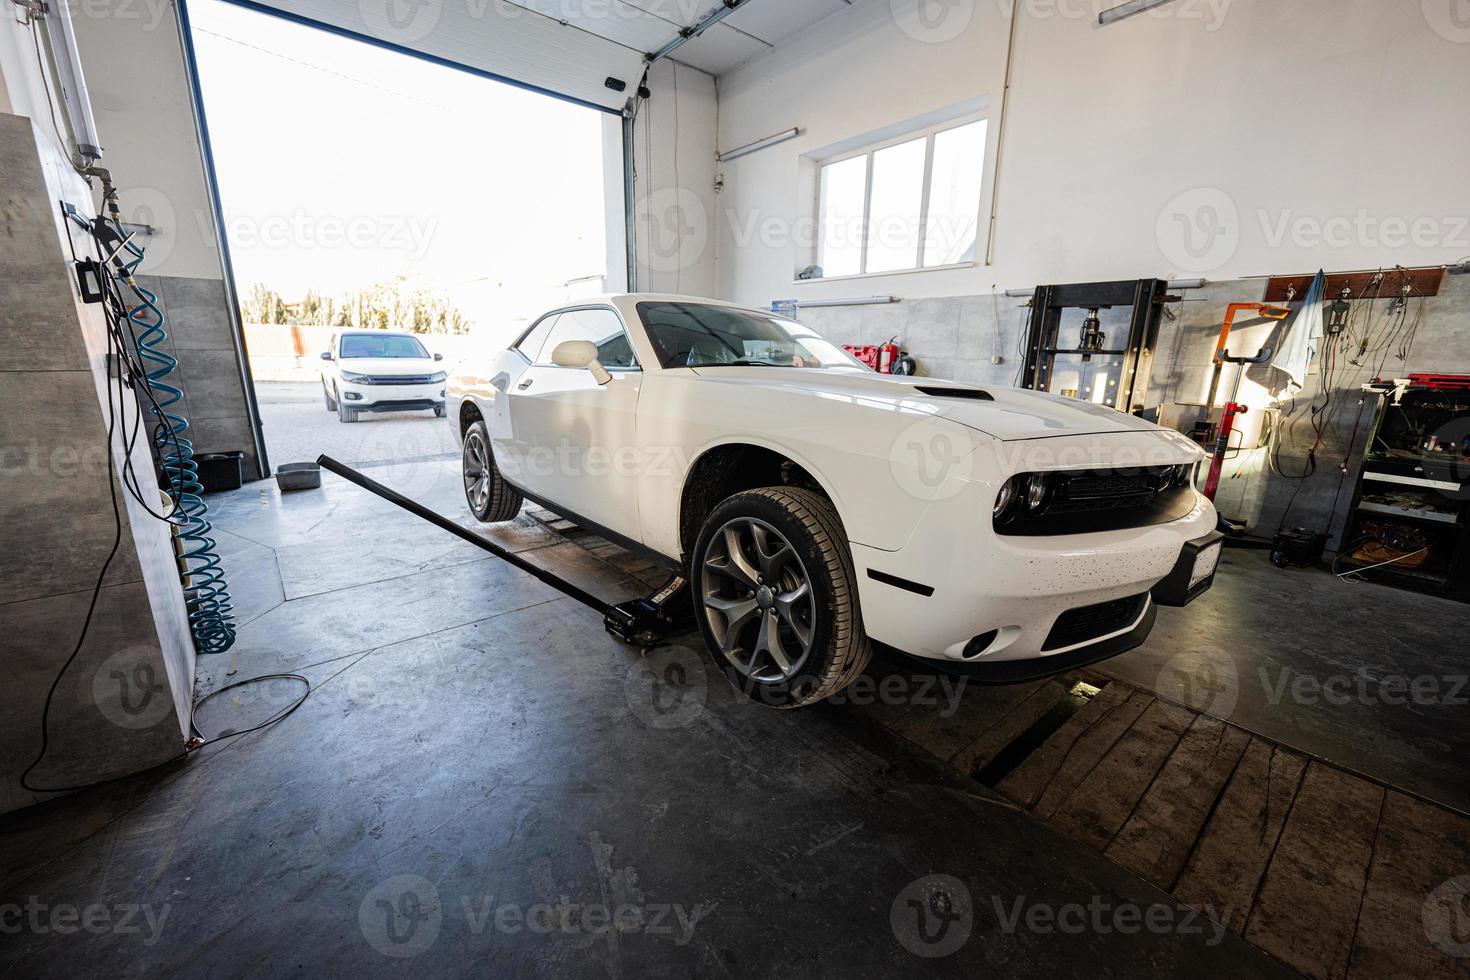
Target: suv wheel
[(331, 402), (345, 414), (777, 603), (491, 499)]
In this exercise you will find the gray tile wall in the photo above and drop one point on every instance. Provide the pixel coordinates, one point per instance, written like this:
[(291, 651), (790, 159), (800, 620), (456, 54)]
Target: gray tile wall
[(956, 337), (120, 705), (200, 336)]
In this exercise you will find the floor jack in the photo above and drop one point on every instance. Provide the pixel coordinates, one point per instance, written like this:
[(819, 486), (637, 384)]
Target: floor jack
[(645, 622)]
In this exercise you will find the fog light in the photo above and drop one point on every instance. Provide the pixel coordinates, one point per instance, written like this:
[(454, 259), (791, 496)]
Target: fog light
[(351, 396)]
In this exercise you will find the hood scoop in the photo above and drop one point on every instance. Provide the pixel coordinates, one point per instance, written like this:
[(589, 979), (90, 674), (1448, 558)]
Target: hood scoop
[(973, 394)]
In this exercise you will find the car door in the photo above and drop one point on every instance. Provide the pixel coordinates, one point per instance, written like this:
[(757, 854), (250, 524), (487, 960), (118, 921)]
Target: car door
[(576, 439), (494, 397)]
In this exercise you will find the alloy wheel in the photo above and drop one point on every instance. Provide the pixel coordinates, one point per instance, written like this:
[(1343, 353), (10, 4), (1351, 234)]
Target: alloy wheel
[(476, 472), (758, 600)]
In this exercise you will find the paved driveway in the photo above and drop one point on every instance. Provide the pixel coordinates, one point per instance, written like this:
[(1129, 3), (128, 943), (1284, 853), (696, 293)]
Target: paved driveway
[(298, 427)]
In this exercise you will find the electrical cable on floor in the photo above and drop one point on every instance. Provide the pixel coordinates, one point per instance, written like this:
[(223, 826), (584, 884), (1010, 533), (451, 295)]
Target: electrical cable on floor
[(195, 743)]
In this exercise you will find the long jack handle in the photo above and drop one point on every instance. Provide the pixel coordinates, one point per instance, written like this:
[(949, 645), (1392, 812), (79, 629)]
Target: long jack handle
[(1222, 445)]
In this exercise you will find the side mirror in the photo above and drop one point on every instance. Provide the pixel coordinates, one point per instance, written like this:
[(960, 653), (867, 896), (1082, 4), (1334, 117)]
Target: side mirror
[(580, 354), (326, 355), (438, 357)]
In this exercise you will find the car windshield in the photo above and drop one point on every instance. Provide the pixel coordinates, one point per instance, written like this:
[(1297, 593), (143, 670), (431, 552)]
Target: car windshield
[(693, 335), (381, 345)]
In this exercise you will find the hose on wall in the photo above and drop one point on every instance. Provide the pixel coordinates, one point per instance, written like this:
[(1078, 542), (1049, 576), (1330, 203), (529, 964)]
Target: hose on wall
[(206, 592)]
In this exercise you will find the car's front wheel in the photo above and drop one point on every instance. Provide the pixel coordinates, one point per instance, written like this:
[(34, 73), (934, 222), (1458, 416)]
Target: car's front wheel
[(491, 499), (778, 604)]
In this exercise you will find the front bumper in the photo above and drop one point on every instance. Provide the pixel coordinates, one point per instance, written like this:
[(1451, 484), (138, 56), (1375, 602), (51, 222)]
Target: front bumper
[(1009, 606), (390, 397)]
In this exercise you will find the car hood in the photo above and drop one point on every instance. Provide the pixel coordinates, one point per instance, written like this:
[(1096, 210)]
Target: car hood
[(389, 365), (1007, 414)]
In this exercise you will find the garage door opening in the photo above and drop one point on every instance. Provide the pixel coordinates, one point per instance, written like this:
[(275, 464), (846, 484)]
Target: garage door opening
[(395, 213)]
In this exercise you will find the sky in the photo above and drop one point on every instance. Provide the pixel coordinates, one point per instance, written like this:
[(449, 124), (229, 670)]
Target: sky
[(341, 164)]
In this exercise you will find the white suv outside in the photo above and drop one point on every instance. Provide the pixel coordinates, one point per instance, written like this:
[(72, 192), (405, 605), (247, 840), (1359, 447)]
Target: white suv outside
[(380, 371), (818, 508)]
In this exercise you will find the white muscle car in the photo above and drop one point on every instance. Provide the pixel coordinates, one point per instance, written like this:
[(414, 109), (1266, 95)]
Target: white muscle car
[(818, 507)]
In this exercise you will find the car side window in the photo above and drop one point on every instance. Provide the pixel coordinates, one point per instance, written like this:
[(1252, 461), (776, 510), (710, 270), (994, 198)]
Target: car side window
[(530, 345), (602, 327)]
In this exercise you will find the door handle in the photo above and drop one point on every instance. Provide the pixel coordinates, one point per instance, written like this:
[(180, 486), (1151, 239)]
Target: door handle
[(525, 384)]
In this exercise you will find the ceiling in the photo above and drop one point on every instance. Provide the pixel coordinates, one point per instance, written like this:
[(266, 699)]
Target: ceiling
[(646, 25)]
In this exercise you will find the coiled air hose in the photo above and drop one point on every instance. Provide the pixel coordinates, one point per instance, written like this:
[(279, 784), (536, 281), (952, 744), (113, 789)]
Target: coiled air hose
[(206, 593)]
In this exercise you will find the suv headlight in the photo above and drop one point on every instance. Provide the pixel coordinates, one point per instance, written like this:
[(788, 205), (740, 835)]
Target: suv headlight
[(354, 377), (438, 376)]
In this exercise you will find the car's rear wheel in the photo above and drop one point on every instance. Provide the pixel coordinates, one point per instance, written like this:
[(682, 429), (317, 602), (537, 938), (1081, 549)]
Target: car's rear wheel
[(331, 402), (778, 605), (491, 499)]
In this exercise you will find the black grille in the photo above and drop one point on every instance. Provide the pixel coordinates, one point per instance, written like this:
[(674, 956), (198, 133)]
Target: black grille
[(1081, 501), (1090, 622), (378, 379)]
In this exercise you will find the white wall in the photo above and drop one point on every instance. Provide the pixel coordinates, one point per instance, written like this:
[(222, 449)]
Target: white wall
[(1245, 116), (134, 61), (674, 182)]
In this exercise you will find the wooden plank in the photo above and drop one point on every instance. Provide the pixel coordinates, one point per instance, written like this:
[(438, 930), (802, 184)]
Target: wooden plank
[(1307, 909), (1105, 797), (949, 712), (1231, 855), (1008, 727), (1412, 922), (1156, 840), (1421, 282), (1054, 769), (1089, 750)]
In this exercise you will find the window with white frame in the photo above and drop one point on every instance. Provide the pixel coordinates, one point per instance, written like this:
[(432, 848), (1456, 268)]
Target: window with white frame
[(906, 204)]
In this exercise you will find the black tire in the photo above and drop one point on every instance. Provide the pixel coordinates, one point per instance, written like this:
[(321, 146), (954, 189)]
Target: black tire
[(496, 500), (438, 411), (345, 414), (327, 395), (837, 649)]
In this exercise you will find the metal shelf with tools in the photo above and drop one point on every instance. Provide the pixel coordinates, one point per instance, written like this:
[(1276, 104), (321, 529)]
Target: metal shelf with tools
[(1411, 506)]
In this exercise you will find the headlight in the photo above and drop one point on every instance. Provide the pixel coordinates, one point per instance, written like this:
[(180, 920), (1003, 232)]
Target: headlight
[(1003, 499), (438, 376), (1035, 491), (354, 377)]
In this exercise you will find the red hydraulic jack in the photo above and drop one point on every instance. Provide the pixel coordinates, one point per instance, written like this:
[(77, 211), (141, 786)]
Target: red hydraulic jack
[(1232, 406), (1227, 420)]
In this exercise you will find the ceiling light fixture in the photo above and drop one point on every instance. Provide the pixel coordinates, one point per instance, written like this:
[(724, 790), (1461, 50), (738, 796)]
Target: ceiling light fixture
[(1128, 9)]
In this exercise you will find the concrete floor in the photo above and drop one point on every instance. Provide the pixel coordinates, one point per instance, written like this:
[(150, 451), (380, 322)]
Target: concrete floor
[(476, 751), (298, 427)]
